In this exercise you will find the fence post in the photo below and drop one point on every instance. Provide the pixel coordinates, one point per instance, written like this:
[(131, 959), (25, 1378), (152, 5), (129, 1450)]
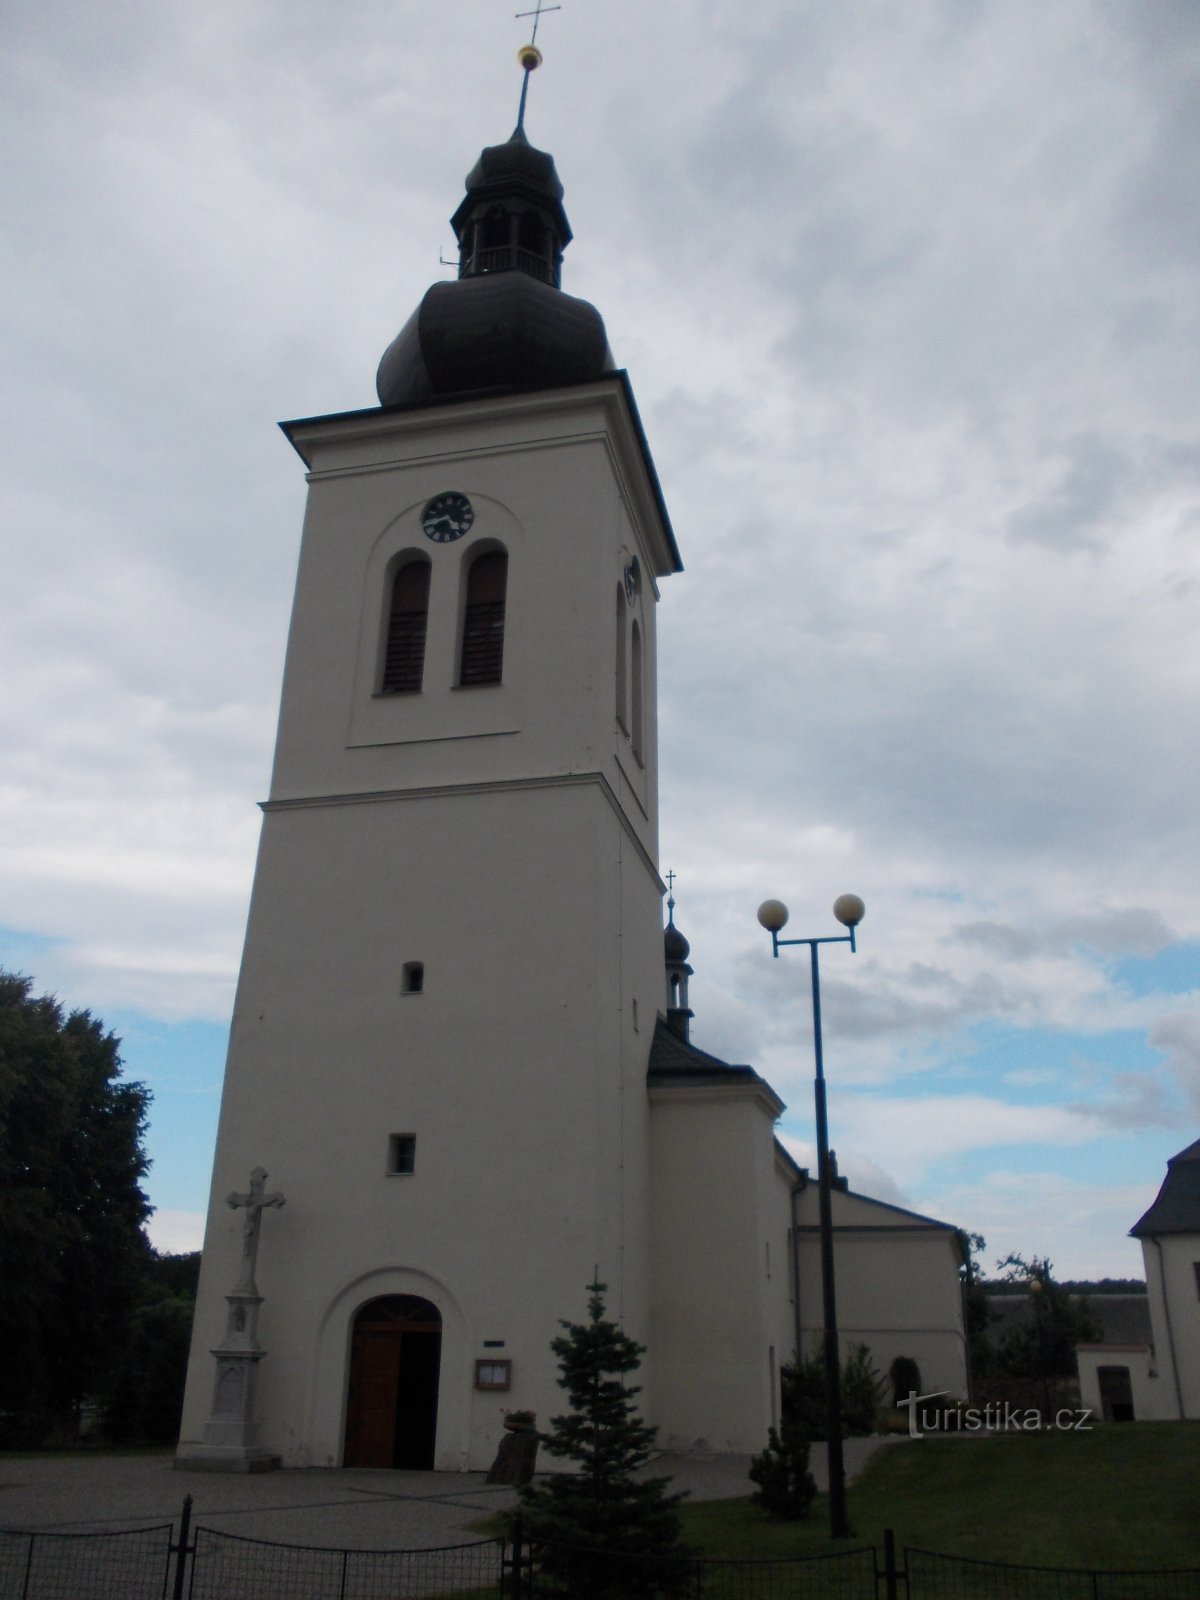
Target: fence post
[(181, 1551), (890, 1575), (28, 1567), (514, 1565)]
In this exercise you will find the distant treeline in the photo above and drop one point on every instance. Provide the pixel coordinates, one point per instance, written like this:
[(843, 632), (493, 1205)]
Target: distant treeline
[(1071, 1286)]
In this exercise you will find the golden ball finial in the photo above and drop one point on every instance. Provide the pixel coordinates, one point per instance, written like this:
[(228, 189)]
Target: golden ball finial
[(529, 57)]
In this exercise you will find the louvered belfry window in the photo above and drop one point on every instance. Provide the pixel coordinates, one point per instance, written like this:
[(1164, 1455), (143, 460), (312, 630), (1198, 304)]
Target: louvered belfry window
[(404, 658), (483, 620)]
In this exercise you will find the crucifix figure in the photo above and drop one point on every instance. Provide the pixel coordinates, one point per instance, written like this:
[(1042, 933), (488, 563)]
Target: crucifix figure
[(254, 1204)]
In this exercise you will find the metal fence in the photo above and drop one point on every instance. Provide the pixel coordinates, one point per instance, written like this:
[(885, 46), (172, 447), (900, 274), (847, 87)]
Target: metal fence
[(937, 1577), (547, 1571), (226, 1566), (152, 1563), (133, 1565)]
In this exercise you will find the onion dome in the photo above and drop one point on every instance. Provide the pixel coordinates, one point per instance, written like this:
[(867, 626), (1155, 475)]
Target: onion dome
[(676, 950), (505, 323)]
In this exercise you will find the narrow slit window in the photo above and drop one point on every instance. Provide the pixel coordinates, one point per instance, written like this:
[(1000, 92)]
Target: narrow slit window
[(413, 978), (404, 656), (635, 670), (622, 669), (402, 1154), (483, 620)]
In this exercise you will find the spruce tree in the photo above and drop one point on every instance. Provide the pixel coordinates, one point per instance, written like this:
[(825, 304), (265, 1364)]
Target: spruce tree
[(785, 1485), (600, 1531)]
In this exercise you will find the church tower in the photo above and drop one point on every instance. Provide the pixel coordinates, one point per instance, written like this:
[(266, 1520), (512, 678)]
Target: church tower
[(454, 959)]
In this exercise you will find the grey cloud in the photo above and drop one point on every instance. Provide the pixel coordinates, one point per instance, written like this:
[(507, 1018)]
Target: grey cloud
[(1079, 512), (1178, 1037), (1135, 930), (1132, 930), (1139, 1101), (997, 939)]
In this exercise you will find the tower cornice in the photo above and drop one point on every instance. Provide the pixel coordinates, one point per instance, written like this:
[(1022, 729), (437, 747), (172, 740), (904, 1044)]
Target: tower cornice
[(356, 441)]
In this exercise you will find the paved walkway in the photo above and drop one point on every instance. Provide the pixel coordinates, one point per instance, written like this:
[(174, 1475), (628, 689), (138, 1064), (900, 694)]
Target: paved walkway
[(343, 1508)]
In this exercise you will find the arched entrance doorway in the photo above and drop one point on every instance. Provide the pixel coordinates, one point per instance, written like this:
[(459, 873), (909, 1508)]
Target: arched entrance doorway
[(391, 1410)]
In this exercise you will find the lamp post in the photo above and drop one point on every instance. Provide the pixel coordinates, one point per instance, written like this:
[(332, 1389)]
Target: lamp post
[(849, 911)]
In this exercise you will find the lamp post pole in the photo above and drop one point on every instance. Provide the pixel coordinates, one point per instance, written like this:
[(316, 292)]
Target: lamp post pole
[(849, 911)]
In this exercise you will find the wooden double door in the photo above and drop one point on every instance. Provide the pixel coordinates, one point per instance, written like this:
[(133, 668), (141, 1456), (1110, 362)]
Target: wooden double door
[(391, 1410)]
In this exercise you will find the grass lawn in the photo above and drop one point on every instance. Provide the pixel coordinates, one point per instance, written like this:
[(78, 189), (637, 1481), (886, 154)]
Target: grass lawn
[(1120, 1496)]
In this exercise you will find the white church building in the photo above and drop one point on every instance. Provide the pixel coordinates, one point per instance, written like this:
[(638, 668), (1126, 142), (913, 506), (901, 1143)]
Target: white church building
[(459, 1048), (1160, 1381)]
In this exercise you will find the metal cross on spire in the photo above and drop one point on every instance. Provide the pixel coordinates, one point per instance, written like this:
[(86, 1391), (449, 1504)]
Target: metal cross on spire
[(529, 57), (537, 17)]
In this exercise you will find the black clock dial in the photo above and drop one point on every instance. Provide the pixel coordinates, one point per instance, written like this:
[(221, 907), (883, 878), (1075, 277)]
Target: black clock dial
[(447, 516)]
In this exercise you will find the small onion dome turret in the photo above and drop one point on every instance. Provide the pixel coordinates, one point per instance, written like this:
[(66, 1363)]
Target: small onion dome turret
[(676, 950), (505, 324)]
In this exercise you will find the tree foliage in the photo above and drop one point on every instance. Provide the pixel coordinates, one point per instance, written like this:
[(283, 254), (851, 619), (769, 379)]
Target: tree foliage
[(977, 1314), (1043, 1344), (602, 1507), (785, 1485), (146, 1399), (863, 1393), (71, 1245)]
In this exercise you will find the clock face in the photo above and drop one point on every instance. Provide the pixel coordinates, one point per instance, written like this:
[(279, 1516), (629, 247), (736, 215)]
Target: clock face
[(447, 516)]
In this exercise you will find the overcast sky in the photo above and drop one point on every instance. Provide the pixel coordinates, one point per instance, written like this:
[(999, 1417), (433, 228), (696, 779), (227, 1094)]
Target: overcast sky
[(908, 295)]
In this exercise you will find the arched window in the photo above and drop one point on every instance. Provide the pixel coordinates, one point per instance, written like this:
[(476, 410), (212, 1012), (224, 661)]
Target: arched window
[(622, 670), (635, 668), (483, 620), (404, 656)]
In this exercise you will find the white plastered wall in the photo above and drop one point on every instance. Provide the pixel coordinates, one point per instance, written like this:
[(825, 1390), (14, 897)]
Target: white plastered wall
[(506, 838), (1174, 1293), (720, 1325), (898, 1289)]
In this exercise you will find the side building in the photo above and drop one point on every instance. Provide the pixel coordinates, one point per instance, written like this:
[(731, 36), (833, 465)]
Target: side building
[(1157, 1381)]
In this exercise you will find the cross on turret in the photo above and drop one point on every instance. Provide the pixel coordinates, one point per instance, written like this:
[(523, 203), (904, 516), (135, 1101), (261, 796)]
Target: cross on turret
[(537, 17)]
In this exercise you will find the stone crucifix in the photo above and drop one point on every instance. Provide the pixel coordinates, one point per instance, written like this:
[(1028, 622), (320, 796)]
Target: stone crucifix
[(254, 1204)]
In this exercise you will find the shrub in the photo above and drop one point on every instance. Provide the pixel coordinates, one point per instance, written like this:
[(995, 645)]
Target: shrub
[(785, 1485)]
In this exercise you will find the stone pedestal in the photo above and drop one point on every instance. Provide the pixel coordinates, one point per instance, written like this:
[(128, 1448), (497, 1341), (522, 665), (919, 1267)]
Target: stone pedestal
[(231, 1433)]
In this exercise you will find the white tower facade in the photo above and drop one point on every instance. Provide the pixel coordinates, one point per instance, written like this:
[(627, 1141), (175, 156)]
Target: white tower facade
[(449, 1050), (453, 961)]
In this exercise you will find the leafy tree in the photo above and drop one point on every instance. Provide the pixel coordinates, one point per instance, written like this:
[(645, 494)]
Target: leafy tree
[(602, 1531), (1043, 1344), (146, 1399), (977, 1313), (785, 1485), (71, 1245)]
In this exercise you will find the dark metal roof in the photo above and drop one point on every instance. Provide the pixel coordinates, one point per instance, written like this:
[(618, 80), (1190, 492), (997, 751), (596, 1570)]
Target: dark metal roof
[(1177, 1208), (514, 170), (498, 332), (675, 1060)]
